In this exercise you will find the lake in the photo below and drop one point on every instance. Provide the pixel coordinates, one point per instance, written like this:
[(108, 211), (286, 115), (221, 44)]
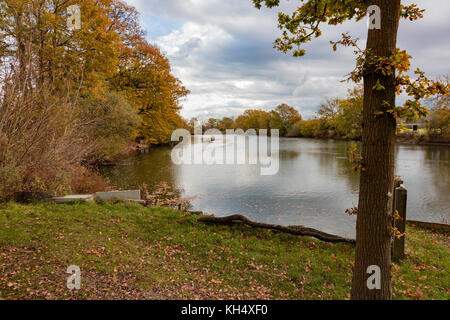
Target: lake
[(314, 186)]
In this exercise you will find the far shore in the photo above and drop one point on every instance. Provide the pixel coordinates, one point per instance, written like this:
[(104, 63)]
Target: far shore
[(144, 148)]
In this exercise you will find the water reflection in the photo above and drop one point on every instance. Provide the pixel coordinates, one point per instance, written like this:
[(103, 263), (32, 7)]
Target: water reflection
[(314, 187)]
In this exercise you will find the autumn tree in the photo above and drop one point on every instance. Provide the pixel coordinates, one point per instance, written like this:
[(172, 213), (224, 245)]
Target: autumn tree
[(212, 123), (382, 67), (283, 118), (349, 118), (289, 115), (69, 96), (276, 122), (329, 109), (113, 120), (37, 32), (241, 122), (257, 119), (439, 120), (145, 77), (253, 119), (47, 73), (225, 123)]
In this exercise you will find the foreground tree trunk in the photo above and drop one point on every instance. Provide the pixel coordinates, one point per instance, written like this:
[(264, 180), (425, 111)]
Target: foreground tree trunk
[(373, 236)]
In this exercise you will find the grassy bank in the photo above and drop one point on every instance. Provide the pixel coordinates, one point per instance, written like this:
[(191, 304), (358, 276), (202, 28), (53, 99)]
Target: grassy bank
[(127, 251)]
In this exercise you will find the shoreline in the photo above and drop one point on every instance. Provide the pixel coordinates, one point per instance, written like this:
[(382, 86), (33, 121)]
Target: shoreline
[(424, 143), (398, 141)]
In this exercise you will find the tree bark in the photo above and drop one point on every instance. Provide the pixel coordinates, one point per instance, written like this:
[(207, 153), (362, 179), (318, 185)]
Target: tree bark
[(373, 227)]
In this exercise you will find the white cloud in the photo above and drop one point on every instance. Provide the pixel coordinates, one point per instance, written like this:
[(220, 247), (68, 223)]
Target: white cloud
[(192, 37), (222, 51)]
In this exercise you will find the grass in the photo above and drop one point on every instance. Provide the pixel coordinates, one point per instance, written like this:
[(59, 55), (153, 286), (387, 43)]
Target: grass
[(126, 251)]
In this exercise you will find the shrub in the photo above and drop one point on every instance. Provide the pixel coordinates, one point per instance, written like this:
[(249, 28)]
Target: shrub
[(88, 181), (42, 139)]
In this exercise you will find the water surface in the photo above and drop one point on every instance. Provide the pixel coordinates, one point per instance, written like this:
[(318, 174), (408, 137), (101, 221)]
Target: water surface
[(314, 186)]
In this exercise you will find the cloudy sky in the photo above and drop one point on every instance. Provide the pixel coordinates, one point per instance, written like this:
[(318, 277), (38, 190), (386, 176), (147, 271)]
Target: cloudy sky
[(223, 52)]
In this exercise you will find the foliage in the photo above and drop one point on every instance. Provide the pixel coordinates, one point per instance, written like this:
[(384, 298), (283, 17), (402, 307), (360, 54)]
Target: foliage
[(440, 122), (145, 78), (41, 141), (329, 110), (276, 122), (73, 96), (313, 128), (225, 123), (336, 118), (397, 64), (253, 119), (282, 118), (113, 121), (288, 116), (349, 117), (87, 181)]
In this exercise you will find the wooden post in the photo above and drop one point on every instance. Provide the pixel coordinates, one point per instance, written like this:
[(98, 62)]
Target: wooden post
[(397, 184), (401, 195)]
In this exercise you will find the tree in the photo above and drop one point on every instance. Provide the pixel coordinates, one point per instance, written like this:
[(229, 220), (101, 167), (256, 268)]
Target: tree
[(350, 112), (253, 119), (145, 78), (288, 116), (212, 123), (226, 123), (70, 96), (440, 122), (47, 70), (442, 101), (376, 66), (440, 115), (277, 123), (113, 121), (329, 109), (241, 122)]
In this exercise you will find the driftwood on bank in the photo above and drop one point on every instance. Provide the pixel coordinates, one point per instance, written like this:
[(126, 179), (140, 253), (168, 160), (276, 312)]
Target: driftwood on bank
[(295, 230)]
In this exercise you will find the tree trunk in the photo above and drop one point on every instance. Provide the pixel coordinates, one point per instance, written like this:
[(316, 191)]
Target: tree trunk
[(373, 227)]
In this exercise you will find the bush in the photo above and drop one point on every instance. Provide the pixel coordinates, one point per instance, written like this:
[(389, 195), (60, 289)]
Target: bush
[(112, 123), (88, 181), (295, 130), (42, 140)]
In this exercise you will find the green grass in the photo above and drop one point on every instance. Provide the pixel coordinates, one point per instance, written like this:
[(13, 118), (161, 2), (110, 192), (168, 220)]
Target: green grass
[(126, 251)]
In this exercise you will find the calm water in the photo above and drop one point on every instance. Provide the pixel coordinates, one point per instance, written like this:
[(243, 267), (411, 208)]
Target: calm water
[(314, 186)]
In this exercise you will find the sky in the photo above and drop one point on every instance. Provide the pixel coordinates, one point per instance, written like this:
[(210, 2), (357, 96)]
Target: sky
[(222, 51)]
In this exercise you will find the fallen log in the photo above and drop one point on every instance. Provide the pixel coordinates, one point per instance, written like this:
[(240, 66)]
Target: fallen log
[(295, 230)]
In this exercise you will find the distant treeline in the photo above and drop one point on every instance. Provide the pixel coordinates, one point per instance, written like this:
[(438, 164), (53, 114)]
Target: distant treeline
[(336, 118)]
